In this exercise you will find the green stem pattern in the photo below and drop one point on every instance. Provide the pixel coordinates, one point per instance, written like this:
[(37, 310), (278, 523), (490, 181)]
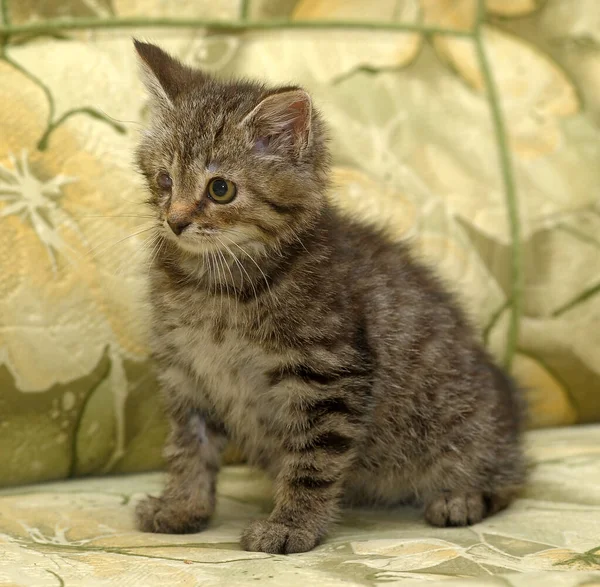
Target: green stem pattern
[(582, 297), (493, 320), (84, 403), (5, 22), (244, 10), (578, 235), (93, 113), (510, 190), (54, 25), (38, 82), (51, 124), (61, 581)]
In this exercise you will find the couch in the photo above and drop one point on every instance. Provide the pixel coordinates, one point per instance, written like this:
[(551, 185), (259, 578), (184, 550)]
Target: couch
[(469, 128)]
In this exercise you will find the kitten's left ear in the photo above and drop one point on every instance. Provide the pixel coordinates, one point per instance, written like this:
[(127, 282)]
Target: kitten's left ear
[(163, 76), (282, 120)]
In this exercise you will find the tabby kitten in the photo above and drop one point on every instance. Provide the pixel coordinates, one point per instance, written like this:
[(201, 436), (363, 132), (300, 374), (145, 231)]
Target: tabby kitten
[(333, 359)]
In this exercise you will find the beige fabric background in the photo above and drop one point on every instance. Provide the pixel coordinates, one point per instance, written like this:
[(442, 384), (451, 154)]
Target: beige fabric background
[(481, 147)]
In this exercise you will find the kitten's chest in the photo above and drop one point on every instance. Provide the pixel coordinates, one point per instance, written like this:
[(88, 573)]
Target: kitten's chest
[(233, 378)]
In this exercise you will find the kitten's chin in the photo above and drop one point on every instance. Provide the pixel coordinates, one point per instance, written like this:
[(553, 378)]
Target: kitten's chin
[(197, 244), (193, 246)]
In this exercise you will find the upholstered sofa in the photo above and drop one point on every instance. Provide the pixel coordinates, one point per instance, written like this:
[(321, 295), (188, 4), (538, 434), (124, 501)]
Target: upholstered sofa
[(470, 128)]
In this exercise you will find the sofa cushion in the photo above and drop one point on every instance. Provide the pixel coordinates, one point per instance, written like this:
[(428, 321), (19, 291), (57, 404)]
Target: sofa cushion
[(81, 533), (488, 168)]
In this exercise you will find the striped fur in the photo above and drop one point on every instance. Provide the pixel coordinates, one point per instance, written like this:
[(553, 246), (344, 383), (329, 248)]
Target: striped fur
[(335, 361)]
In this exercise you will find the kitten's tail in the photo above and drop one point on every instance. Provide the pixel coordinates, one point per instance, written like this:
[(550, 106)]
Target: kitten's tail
[(511, 405)]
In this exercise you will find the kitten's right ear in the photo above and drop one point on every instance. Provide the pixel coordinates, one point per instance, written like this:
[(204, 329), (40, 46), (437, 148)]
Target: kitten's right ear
[(282, 119), (164, 76)]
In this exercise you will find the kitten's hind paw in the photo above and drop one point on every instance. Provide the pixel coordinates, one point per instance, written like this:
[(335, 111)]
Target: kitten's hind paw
[(276, 538), (464, 509), (155, 514)]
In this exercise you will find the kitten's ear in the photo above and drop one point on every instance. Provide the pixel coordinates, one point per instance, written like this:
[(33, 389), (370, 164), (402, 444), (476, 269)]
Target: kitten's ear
[(163, 76), (282, 120)]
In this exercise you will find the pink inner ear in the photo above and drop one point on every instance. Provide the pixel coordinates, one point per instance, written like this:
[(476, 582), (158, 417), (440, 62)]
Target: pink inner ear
[(300, 113), (281, 120), (261, 144)]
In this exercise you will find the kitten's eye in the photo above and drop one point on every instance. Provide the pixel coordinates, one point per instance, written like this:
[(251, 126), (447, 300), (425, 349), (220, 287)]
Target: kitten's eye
[(164, 181), (221, 190)]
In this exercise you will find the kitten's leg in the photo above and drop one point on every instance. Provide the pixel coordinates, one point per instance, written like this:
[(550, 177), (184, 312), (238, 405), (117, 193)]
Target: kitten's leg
[(307, 494), (193, 454), (477, 481), (311, 479), (482, 476)]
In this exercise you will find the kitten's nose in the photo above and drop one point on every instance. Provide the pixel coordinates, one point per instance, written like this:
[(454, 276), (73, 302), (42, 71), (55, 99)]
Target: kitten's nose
[(178, 225)]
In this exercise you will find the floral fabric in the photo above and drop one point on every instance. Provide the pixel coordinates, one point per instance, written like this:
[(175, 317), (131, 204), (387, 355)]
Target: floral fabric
[(80, 533)]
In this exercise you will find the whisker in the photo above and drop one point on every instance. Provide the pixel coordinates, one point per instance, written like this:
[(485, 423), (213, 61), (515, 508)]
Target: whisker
[(257, 266), (127, 263), (240, 265), (201, 265), (118, 216), (137, 232), (232, 282), (120, 269), (210, 272), (133, 122), (145, 250), (303, 246), (216, 273), (154, 254), (220, 285)]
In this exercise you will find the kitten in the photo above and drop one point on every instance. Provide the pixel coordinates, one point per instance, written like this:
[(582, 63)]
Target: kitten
[(334, 360)]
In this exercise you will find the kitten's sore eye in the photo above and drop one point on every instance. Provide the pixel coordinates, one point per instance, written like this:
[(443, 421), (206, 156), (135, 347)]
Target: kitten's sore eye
[(221, 191), (164, 181)]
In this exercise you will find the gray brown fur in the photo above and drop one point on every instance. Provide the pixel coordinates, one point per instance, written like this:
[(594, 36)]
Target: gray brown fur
[(333, 359)]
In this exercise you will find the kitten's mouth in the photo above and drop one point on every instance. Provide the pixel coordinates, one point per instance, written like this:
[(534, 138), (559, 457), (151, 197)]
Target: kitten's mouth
[(189, 235), (205, 240)]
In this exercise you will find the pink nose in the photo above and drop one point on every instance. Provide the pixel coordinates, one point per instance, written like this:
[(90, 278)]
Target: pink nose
[(178, 225)]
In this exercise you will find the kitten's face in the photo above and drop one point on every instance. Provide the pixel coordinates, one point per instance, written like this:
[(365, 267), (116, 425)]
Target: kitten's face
[(229, 164)]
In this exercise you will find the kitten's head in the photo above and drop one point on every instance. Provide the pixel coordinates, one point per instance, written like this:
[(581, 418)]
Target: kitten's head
[(229, 160)]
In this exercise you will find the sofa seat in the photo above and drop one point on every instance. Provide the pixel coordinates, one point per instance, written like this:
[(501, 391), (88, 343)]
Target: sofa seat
[(81, 532)]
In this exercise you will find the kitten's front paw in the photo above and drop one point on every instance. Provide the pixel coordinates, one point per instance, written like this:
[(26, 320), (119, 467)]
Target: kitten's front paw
[(455, 509), (155, 514), (276, 538)]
